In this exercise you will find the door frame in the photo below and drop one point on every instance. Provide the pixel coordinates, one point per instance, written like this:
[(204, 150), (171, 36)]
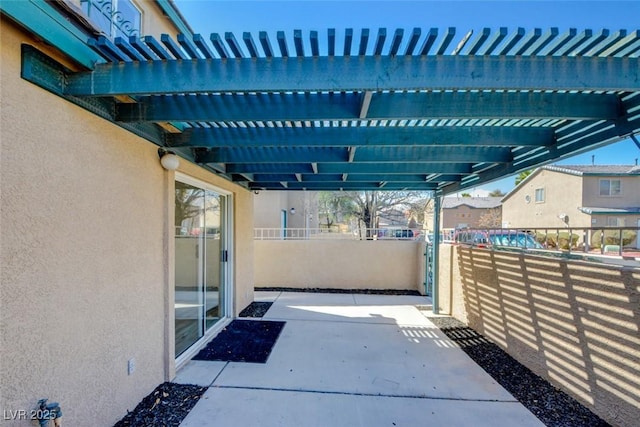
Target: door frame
[(226, 268)]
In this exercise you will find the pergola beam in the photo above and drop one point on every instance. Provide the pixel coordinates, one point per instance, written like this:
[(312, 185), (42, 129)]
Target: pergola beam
[(375, 106), (367, 73), (363, 155), (332, 186), (497, 136), (350, 168)]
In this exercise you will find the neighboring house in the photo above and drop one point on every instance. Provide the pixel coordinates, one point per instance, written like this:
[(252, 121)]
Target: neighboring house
[(104, 289), (463, 212), (588, 195), (286, 209)]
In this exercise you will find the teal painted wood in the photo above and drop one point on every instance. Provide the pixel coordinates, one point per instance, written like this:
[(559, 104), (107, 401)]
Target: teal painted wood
[(605, 135), (47, 73), (279, 119), (47, 23), (359, 74), (336, 186), (393, 155), (340, 106), (175, 16), (449, 136)]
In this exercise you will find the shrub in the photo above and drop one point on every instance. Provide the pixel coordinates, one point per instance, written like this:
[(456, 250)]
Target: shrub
[(560, 240), (612, 237)]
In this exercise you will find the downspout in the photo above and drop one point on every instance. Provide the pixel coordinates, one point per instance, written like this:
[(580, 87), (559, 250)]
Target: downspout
[(436, 253)]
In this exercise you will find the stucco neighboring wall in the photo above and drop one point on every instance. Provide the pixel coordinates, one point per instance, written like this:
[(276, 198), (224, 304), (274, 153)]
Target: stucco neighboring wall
[(86, 275), (573, 323), (339, 264), (563, 194), (629, 197)]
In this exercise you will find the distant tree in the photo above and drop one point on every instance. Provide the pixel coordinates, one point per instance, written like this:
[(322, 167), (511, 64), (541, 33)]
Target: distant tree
[(334, 207), (523, 175), (370, 204), (496, 193), (187, 203), (491, 218), (419, 210), (466, 195)]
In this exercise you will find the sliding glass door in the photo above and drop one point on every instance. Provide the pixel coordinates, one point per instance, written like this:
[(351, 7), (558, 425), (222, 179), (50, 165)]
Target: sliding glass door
[(201, 257)]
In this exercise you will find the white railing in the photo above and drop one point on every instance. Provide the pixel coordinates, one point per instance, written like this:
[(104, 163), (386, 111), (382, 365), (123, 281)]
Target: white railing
[(386, 233)]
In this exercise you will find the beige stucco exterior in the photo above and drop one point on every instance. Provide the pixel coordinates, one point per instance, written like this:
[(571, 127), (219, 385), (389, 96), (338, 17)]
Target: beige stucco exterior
[(87, 254), (462, 216), (153, 21), (340, 264), (574, 323), (270, 205), (564, 194)]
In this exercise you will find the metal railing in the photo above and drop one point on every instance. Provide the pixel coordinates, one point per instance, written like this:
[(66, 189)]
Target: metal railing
[(594, 240), (383, 233)]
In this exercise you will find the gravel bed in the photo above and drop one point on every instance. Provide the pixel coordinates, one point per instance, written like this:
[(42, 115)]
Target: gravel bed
[(256, 309), (166, 406), (552, 406)]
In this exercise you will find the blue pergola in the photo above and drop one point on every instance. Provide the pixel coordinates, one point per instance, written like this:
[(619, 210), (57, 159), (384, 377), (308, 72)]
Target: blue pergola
[(423, 110)]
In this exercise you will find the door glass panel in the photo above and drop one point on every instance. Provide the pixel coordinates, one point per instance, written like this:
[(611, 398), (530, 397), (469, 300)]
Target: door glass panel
[(214, 254), (189, 297), (199, 267)]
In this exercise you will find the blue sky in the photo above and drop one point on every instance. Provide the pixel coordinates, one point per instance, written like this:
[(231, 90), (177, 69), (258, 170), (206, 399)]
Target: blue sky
[(207, 16)]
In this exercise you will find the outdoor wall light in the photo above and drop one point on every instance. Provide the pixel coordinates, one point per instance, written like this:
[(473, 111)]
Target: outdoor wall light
[(292, 211), (168, 159)]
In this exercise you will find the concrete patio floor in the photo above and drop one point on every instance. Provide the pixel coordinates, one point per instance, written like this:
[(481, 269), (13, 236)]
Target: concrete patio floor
[(352, 360)]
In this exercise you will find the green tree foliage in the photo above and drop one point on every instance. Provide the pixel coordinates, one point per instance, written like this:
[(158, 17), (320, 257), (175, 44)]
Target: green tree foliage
[(334, 207), (496, 193), (523, 175)]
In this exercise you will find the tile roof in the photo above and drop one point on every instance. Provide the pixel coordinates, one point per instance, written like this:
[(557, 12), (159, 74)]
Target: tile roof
[(472, 202), (595, 169), (611, 211)]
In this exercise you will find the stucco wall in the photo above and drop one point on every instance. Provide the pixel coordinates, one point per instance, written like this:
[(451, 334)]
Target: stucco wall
[(86, 279), (463, 214), (573, 323), (563, 194), (629, 197), (339, 264)]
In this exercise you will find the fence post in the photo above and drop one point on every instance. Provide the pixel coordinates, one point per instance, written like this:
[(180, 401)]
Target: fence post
[(436, 253)]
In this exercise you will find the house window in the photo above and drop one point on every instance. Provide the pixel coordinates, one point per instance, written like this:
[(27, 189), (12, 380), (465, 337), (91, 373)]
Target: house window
[(117, 18), (539, 195), (615, 222), (610, 187)]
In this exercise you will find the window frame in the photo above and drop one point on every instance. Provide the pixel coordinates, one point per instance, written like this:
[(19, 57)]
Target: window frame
[(541, 191), (117, 25), (609, 187)]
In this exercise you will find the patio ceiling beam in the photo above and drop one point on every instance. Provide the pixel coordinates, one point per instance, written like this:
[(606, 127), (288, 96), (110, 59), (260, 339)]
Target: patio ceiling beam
[(350, 106), (364, 155), (368, 73), (363, 136), (350, 168), (340, 185), (408, 178)]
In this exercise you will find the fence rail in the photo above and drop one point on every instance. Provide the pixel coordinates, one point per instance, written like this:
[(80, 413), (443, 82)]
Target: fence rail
[(386, 233)]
